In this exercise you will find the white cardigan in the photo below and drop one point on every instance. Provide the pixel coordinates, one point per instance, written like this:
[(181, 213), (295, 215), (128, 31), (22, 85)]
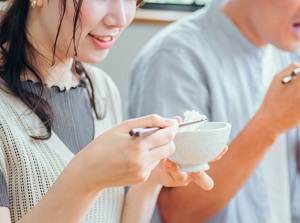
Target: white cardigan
[(31, 166)]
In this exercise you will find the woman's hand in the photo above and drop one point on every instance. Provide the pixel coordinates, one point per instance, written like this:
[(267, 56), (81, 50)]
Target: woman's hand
[(117, 159), (167, 173), (221, 154)]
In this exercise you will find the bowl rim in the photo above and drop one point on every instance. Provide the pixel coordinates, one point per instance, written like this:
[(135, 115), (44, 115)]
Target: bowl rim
[(227, 125)]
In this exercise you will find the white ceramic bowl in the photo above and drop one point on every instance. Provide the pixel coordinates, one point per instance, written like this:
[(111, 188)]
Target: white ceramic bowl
[(194, 149)]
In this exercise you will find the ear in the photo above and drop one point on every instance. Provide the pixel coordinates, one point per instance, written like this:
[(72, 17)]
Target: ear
[(39, 3), (36, 3)]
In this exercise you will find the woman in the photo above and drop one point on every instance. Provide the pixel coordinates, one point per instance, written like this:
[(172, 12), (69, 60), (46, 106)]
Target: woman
[(53, 105)]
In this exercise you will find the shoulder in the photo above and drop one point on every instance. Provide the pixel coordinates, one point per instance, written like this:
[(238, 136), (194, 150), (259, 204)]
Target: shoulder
[(189, 35), (8, 102), (16, 117), (106, 93), (10, 105), (99, 78), (189, 26)]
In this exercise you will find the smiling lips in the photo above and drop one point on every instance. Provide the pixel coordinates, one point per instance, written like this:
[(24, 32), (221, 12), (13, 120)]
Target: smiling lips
[(103, 42)]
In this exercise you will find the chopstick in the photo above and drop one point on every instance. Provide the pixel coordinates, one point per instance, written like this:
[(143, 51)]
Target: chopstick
[(151, 130), (289, 78)]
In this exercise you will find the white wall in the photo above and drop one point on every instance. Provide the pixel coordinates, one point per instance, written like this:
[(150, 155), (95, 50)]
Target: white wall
[(121, 56)]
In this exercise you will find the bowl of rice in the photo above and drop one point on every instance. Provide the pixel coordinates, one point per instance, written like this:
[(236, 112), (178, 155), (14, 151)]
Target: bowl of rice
[(198, 144)]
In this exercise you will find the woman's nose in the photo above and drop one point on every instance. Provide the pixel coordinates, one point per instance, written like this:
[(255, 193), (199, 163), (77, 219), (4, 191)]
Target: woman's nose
[(116, 16)]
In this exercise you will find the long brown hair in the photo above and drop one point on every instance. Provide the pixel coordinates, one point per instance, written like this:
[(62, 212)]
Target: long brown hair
[(17, 55), (139, 3)]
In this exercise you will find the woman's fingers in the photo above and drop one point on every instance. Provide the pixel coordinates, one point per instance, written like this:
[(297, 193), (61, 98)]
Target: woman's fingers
[(178, 118), (203, 180), (161, 152), (160, 143), (221, 154), (148, 121), (169, 175), (179, 178)]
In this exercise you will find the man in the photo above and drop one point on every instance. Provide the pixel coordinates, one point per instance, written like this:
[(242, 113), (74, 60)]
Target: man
[(228, 63)]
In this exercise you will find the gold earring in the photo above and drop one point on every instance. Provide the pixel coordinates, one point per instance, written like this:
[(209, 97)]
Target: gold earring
[(33, 3)]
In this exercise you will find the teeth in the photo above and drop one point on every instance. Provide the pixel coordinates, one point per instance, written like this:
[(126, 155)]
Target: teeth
[(104, 38)]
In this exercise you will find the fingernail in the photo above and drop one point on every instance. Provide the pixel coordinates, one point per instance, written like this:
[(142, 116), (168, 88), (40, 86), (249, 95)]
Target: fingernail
[(203, 180), (168, 163), (209, 183)]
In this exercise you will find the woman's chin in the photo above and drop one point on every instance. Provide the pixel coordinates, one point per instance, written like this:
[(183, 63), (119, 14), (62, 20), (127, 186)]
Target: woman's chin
[(92, 59)]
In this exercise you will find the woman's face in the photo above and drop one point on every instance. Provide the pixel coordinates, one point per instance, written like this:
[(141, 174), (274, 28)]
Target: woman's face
[(101, 23)]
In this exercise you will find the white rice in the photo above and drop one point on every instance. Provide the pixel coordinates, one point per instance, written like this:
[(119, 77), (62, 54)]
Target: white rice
[(192, 116)]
